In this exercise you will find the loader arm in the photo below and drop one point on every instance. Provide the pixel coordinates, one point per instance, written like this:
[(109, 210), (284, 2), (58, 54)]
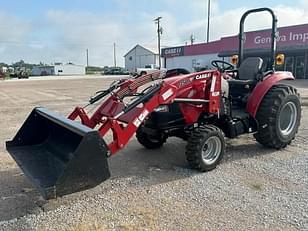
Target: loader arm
[(123, 120)]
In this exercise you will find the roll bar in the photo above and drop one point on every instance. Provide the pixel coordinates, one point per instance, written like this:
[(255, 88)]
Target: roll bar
[(273, 35)]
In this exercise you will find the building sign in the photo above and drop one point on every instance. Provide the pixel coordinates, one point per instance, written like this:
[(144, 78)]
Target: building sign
[(290, 37), (172, 52), (286, 36)]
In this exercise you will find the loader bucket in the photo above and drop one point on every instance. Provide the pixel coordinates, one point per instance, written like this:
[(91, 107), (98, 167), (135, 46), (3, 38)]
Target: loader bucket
[(60, 156)]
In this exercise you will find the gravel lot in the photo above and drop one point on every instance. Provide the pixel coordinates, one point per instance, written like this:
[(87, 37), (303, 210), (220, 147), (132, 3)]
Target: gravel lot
[(252, 189)]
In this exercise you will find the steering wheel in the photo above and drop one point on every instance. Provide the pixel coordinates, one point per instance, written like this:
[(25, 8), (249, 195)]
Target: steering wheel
[(222, 66)]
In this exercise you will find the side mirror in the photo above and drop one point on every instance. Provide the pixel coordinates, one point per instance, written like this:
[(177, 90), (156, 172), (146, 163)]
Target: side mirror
[(234, 59), (280, 58)]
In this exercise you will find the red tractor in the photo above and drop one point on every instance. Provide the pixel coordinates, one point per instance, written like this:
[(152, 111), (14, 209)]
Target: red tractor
[(63, 156)]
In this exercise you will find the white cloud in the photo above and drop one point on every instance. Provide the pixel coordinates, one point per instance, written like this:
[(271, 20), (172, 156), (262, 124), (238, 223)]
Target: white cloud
[(291, 15), (227, 23), (65, 35), (12, 29), (304, 4), (77, 31), (13, 33)]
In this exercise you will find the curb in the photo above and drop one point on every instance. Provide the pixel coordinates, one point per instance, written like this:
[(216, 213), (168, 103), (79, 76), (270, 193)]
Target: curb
[(304, 101), (304, 104)]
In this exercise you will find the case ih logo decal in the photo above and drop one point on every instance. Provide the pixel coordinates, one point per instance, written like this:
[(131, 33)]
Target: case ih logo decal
[(172, 52), (203, 76)]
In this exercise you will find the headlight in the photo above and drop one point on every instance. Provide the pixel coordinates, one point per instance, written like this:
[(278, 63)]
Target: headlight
[(162, 108)]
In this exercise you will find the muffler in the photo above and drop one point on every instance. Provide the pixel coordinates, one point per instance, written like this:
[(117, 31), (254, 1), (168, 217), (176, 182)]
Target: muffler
[(58, 155)]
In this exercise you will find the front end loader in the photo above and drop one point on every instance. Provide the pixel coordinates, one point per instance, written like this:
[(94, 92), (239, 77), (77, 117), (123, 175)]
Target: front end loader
[(66, 155), (62, 156)]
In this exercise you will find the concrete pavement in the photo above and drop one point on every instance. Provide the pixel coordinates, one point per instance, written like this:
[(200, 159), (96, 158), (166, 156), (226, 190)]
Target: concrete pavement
[(302, 87), (300, 84)]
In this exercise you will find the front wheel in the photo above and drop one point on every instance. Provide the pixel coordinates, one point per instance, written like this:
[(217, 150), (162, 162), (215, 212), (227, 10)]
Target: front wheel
[(278, 117), (205, 148), (148, 141)]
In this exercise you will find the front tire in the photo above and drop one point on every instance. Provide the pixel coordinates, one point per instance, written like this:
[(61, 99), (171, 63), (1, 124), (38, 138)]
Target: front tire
[(205, 148), (278, 117), (148, 141)]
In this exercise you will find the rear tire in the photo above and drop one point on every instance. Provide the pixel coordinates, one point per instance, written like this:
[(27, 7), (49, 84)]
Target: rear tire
[(150, 142), (205, 148), (278, 117)]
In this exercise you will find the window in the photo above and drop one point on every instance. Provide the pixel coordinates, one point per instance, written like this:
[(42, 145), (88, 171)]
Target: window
[(300, 67), (289, 64), (194, 62)]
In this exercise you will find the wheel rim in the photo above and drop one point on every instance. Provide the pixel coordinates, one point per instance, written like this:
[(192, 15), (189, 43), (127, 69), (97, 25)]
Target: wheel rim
[(211, 150), (287, 118)]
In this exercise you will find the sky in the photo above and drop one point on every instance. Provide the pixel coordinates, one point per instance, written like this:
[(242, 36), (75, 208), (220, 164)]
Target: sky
[(61, 30)]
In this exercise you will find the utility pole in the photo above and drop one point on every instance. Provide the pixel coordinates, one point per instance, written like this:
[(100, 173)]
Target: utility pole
[(159, 33), (114, 54), (208, 20), (87, 53), (192, 39)]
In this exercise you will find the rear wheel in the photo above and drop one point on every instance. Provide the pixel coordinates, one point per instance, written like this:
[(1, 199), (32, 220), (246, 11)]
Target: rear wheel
[(150, 142), (278, 117), (205, 148)]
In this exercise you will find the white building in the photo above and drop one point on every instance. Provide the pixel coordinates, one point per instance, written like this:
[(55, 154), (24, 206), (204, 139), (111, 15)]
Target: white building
[(43, 70), (139, 57), (69, 69), (4, 69), (59, 69)]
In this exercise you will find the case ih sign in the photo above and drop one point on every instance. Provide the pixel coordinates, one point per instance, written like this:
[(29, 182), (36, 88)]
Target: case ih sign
[(172, 52)]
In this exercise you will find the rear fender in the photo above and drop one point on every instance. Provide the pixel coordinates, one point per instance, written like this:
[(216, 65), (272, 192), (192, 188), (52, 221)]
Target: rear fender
[(262, 88)]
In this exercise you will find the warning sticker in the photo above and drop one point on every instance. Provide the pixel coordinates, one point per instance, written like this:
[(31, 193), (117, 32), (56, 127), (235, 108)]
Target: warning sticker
[(137, 122), (167, 94), (141, 117), (216, 93)]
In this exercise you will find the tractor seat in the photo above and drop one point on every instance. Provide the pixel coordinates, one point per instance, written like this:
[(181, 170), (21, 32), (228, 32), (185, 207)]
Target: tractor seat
[(249, 74), (250, 70)]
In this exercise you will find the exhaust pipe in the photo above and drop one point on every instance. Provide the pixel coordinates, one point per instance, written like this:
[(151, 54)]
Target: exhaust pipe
[(58, 155)]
